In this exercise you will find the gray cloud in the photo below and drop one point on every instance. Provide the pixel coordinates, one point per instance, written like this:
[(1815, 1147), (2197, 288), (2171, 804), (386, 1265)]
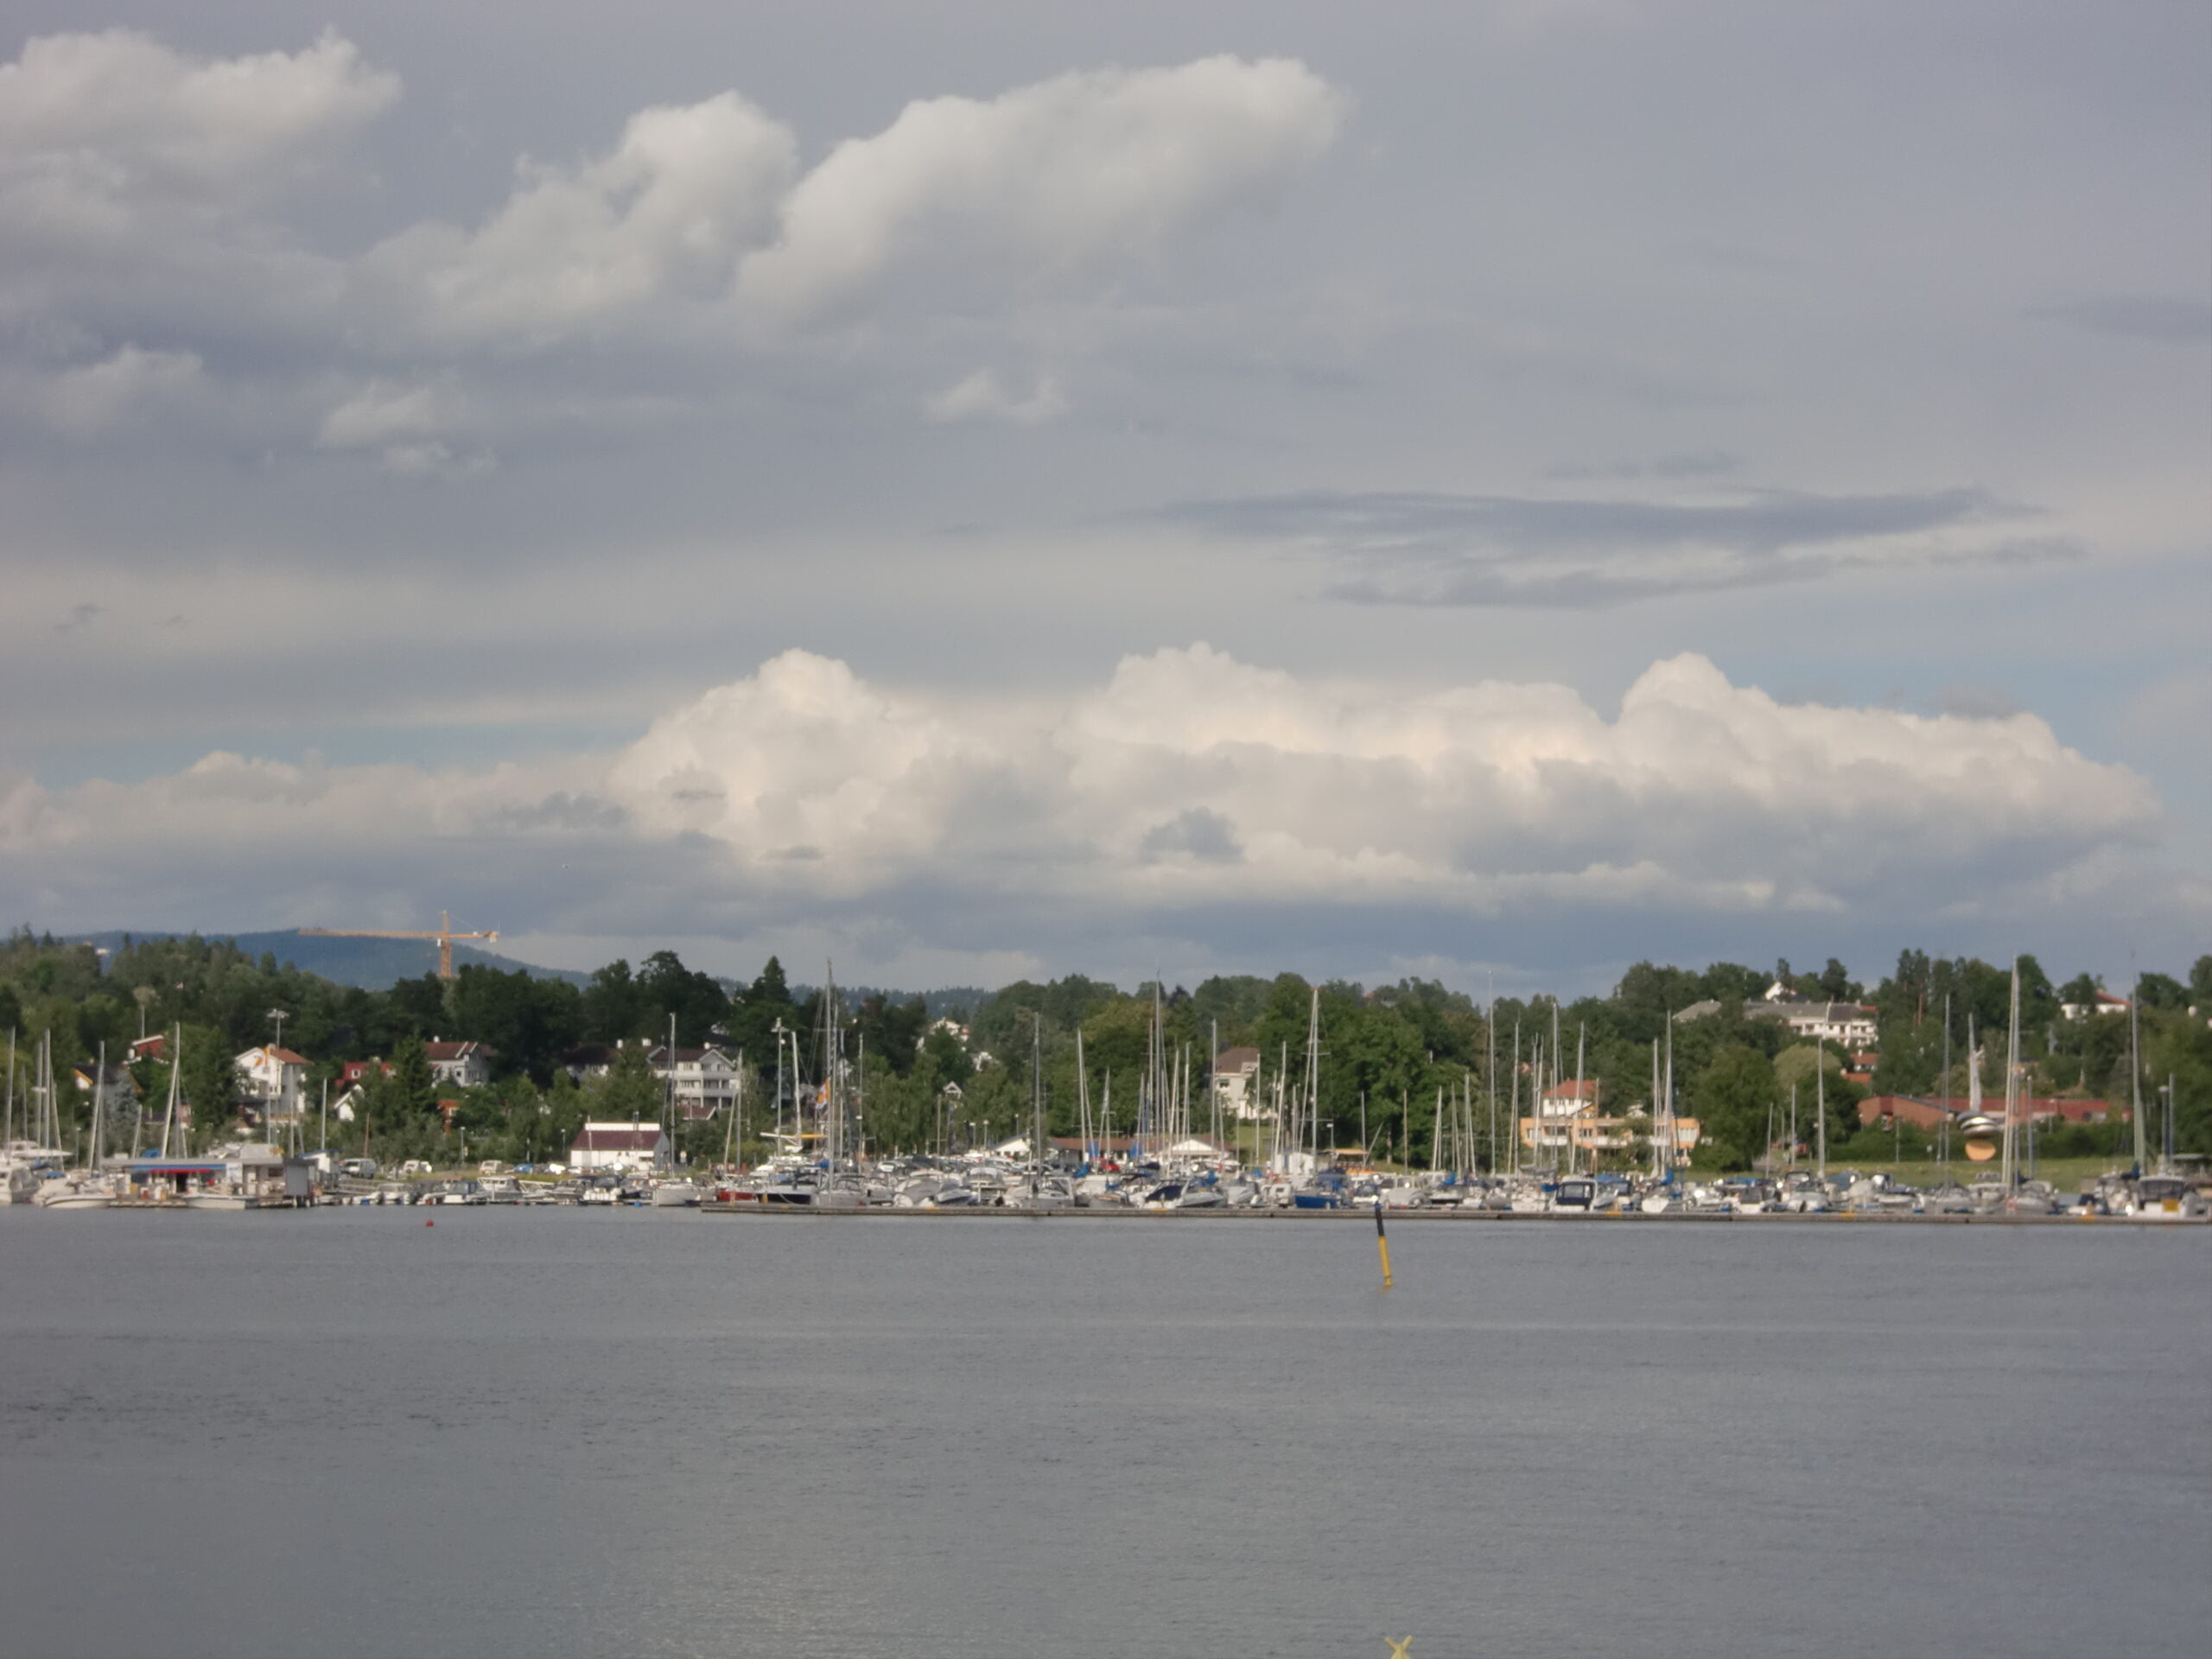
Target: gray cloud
[(1976, 702), (1198, 833), (2141, 316), (1425, 548)]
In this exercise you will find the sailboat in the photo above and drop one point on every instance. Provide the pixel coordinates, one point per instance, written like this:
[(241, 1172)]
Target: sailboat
[(84, 1190), (841, 1189)]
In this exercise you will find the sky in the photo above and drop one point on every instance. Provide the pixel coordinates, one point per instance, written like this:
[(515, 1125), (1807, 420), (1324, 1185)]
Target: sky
[(1492, 492)]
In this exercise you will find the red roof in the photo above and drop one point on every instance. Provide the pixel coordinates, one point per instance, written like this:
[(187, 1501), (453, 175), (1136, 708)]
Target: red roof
[(454, 1051), (2042, 1107)]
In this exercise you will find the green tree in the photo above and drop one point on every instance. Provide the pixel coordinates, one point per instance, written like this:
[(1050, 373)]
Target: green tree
[(667, 990), (210, 1082), (2162, 991), (614, 1005), (414, 1086), (1732, 1096), (755, 1013), (629, 1091)]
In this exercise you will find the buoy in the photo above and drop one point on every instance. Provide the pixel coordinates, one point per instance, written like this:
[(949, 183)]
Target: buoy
[(430, 1221), (1383, 1243)]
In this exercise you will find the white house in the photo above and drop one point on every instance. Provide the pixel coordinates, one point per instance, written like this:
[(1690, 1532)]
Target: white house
[(2103, 1002), (459, 1066), (705, 1080), (631, 1148), (1235, 1072), (1850, 1024), (270, 1079), (1570, 1097)]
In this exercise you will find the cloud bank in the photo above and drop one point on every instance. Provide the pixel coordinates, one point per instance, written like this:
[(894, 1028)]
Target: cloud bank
[(1411, 548), (136, 178), (1192, 802)]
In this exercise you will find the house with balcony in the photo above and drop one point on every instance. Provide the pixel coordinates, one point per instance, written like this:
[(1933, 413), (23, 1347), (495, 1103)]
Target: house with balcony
[(703, 1080), (271, 1080)]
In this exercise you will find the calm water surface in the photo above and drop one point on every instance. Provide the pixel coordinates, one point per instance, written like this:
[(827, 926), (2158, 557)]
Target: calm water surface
[(549, 1432)]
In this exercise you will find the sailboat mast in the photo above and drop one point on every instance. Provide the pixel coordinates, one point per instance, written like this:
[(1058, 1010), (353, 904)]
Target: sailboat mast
[(1947, 1084), (2013, 1087), (99, 1108), (1489, 1046), (1658, 1157), (1516, 1095), (1082, 1094), (2135, 1072), (1820, 1105)]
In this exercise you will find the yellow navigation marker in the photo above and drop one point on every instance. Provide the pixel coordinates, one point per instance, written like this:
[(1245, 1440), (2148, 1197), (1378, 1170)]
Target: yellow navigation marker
[(1401, 1649), (1383, 1243)]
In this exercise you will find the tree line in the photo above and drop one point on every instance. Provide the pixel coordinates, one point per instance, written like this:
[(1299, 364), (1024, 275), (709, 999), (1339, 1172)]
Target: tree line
[(1388, 1053)]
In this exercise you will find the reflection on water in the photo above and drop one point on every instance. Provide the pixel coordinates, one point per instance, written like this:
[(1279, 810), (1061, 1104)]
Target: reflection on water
[(560, 1432)]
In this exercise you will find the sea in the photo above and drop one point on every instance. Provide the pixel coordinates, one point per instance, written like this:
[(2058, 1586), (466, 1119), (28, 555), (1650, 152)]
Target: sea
[(533, 1432)]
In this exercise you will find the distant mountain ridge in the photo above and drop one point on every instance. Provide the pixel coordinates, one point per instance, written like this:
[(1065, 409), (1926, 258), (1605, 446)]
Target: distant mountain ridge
[(378, 964), (366, 964)]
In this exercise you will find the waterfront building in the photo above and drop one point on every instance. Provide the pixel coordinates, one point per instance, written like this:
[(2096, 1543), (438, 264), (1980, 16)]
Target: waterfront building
[(628, 1148)]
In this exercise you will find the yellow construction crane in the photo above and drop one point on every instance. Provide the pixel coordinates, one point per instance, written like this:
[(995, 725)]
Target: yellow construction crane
[(444, 935)]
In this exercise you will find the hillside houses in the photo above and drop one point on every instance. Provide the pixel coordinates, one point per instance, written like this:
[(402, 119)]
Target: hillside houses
[(704, 1080), (1850, 1024)]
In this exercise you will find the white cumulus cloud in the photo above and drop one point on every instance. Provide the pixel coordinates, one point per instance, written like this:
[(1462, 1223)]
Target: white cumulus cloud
[(90, 123), (1192, 797), (1049, 182), (664, 216)]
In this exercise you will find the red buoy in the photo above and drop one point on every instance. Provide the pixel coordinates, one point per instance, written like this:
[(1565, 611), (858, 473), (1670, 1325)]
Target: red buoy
[(430, 1221)]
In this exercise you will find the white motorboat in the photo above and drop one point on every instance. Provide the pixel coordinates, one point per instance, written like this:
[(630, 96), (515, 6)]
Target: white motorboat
[(676, 1195), (2166, 1197), (213, 1199), (72, 1192)]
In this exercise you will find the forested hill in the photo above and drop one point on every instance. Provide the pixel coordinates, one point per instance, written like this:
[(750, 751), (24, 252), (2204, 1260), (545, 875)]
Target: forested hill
[(364, 964)]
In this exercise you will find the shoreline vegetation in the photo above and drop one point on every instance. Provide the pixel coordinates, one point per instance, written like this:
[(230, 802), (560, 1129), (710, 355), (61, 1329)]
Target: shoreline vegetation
[(1394, 1069)]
